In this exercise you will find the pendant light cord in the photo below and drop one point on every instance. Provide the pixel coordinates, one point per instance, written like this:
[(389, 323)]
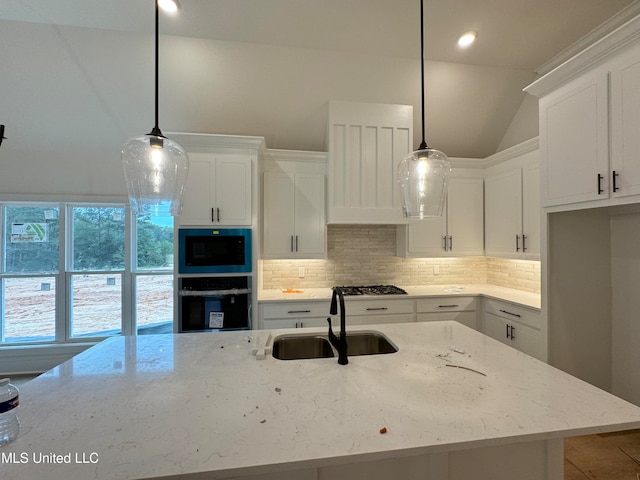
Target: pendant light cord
[(423, 144), (156, 129)]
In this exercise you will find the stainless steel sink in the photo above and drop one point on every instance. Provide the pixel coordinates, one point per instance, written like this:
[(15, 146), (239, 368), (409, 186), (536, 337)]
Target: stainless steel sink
[(301, 346), (368, 343)]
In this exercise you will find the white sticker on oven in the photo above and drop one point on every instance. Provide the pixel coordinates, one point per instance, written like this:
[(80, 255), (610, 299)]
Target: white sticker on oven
[(216, 319)]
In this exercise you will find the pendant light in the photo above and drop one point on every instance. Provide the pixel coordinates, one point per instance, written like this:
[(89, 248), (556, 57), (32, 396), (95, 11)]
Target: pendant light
[(423, 174), (155, 167)]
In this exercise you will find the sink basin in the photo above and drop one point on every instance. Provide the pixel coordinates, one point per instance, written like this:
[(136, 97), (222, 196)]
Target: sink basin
[(301, 346), (368, 343)]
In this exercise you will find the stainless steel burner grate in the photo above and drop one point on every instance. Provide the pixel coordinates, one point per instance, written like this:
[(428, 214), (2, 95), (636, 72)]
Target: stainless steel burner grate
[(372, 290)]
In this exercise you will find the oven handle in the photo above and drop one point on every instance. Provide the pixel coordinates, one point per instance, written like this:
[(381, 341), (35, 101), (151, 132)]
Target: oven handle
[(205, 293)]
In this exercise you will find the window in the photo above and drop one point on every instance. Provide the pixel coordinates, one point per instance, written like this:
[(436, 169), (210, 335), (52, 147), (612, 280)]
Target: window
[(77, 272)]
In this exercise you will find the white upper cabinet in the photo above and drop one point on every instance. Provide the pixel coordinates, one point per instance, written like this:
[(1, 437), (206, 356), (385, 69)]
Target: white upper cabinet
[(625, 126), (512, 204), (220, 182), (458, 232), (366, 142), (218, 190), (589, 124), (294, 205), (574, 140)]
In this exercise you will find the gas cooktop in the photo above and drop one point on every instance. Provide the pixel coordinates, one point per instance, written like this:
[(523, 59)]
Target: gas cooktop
[(373, 290)]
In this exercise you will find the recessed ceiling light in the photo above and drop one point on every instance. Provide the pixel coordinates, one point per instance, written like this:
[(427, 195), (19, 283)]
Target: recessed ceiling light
[(467, 39), (169, 6)]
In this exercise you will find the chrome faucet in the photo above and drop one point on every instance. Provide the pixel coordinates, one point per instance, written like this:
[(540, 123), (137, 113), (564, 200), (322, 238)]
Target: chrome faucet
[(340, 344)]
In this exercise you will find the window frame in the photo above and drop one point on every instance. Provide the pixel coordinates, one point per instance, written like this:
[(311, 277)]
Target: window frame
[(63, 290)]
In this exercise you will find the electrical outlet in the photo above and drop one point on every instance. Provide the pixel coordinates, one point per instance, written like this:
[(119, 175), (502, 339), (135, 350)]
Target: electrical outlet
[(436, 269), (300, 272)]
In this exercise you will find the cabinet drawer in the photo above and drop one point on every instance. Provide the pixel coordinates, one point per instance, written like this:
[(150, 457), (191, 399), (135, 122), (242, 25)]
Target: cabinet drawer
[(511, 312), (295, 310), (378, 307), (446, 304)]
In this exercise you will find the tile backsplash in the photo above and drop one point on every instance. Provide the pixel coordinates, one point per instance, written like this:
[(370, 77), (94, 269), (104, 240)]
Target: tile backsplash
[(366, 255)]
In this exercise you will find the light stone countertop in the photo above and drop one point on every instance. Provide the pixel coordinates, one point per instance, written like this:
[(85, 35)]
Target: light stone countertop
[(491, 291), (162, 405)]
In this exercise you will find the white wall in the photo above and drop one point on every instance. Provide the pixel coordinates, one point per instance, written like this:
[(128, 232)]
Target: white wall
[(625, 280), (524, 124), (579, 290)]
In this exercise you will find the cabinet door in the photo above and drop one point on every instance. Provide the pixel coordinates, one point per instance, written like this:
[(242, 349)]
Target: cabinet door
[(218, 190), (198, 191), (233, 190), (625, 125), (531, 211), (503, 214), (278, 214), (310, 224), (465, 216), (427, 237), (514, 334), (276, 323), (574, 141)]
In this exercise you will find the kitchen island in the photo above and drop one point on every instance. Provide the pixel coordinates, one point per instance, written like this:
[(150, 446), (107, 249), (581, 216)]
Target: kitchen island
[(451, 403)]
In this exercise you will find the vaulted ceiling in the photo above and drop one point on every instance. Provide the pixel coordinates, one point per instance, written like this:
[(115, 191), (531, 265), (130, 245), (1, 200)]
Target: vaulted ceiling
[(76, 76)]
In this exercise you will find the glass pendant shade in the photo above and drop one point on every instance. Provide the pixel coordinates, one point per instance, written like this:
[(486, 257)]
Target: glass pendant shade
[(155, 170), (423, 176)]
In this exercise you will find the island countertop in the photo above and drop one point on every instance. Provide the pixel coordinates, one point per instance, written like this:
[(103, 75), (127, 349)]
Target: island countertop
[(202, 403)]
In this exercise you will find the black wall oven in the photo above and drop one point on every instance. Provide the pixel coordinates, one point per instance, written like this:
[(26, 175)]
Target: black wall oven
[(214, 303)]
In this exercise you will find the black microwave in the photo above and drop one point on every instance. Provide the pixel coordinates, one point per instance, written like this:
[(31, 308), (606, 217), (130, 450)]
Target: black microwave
[(214, 250)]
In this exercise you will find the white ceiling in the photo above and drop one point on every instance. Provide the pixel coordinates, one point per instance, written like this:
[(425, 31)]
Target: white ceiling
[(76, 76)]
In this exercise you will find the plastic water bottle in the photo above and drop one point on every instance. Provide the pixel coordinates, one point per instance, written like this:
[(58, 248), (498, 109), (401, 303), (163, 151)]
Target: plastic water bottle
[(9, 401)]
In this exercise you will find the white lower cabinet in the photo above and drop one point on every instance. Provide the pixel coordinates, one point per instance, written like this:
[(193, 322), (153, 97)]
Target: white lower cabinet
[(459, 309), (275, 315), (514, 325), (315, 313)]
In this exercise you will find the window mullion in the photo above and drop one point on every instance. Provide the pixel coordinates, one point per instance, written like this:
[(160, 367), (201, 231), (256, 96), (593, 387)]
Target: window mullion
[(128, 295)]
